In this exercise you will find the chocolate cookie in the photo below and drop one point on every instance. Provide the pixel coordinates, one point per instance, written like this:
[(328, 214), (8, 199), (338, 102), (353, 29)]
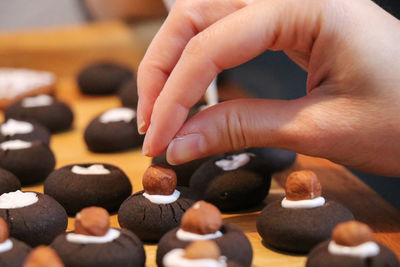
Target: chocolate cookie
[(23, 130), (31, 162), (124, 251), (16, 256), (233, 244), (37, 223), (128, 94), (82, 185), (299, 230), (114, 133), (275, 159), (103, 78), (320, 257), (52, 113), (233, 187), (8, 182), (150, 221)]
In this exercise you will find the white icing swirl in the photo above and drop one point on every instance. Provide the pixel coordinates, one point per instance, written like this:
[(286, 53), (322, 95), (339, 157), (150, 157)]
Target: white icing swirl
[(364, 250), (17, 199), (37, 101), (111, 235), (303, 204), (15, 145), (188, 236), (174, 258), (163, 199), (6, 246), (118, 114), (234, 162), (12, 127), (94, 169)]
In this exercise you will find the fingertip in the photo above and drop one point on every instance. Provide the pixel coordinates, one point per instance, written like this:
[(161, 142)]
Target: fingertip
[(186, 148)]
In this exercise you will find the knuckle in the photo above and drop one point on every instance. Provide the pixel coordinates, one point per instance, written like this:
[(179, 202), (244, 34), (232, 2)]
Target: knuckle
[(235, 130)]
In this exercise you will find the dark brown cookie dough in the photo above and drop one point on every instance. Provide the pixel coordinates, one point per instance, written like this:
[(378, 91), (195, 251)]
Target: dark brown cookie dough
[(150, 221), (128, 94), (125, 251), (31, 165), (36, 224), (299, 230), (39, 133), (103, 78), (55, 117), (233, 190), (112, 136), (77, 191), (275, 159), (16, 256), (321, 257), (233, 244), (8, 182)]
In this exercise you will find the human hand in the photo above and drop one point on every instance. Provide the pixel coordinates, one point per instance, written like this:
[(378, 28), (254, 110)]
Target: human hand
[(349, 48)]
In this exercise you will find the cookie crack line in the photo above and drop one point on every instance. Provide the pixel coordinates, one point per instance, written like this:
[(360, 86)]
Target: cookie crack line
[(173, 212)]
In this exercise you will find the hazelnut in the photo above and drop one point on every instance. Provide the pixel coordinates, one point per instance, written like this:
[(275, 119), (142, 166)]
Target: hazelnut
[(352, 234), (43, 256), (302, 185), (205, 249), (159, 180), (4, 232), (202, 218), (92, 221)]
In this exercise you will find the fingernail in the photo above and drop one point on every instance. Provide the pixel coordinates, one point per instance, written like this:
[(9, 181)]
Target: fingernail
[(186, 148), (141, 127), (145, 147)]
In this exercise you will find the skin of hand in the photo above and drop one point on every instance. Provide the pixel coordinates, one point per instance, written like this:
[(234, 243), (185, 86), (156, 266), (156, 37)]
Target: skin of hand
[(350, 50)]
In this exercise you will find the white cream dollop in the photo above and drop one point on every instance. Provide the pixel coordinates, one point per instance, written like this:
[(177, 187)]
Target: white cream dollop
[(37, 101), (364, 250), (94, 169), (6, 246), (174, 258), (111, 235), (188, 236), (234, 162), (15, 145), (12, 127), (118, 114), (163, 199), (17, 199), (303, 204)]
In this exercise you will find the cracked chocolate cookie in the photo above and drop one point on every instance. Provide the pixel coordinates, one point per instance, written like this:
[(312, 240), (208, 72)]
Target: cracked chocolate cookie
[(114, 130), (82, 185), (8, 182), (33, 217), (51, 113), (103, 78), (203, 221), (94, 244), (128, 94), (31, 162), (23, 130), (232, 181), (158, 208)]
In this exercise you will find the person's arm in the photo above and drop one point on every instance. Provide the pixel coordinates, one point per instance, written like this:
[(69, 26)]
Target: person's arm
[(349, 48)]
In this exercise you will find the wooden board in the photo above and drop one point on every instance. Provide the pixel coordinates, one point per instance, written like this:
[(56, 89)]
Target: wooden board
[(65, 51)]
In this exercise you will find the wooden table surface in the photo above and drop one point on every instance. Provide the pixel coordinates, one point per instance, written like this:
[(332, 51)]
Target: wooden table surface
[(65, 51)]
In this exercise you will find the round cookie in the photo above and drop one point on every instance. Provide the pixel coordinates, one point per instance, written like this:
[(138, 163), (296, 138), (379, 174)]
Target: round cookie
[(16, 256), (31, 162), (82, 185), (33, 217), (114, 130), (103, 78), (155, 210), (204, 222), (232, 181), (302, 219), (95, 244), (23, 130), (128, 94), (8, 182), (352, 245), (53, 114), (275, 159)]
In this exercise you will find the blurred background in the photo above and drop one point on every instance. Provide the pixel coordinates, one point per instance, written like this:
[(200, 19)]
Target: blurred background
[(270, 75)]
